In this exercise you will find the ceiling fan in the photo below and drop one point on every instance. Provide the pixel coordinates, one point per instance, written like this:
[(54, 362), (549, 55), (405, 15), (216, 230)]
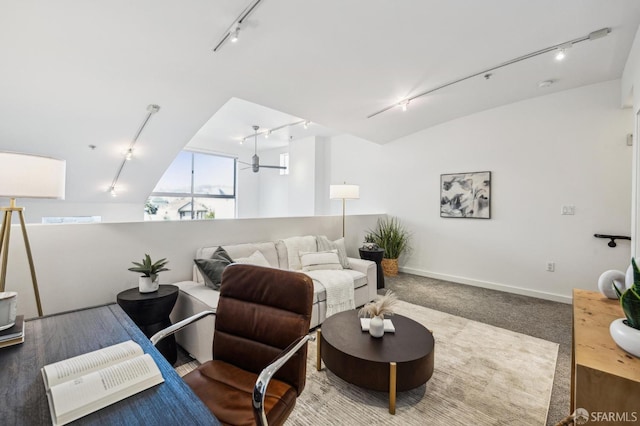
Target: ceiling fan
[(255, 160)]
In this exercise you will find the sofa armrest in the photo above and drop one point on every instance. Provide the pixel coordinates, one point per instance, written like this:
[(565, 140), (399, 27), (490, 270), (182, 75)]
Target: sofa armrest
[(368, 268)]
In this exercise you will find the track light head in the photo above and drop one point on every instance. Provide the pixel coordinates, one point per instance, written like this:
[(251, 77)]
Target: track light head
[(562, 51), (306, 124), (129, 154), (113, 192), (404, 105), (235, 34)]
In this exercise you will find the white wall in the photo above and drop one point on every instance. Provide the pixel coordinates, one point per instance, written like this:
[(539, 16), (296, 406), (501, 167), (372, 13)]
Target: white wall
[(630, 96), (273, 191), (565, 148), (85, 265), (360, 162)]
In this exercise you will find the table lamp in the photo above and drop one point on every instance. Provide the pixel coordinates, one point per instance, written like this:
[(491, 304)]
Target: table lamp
[(26, 176), (344, 192)]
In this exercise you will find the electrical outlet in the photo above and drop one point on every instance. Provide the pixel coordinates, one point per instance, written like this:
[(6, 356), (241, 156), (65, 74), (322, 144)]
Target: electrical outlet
[(551, 266), (568, 210)]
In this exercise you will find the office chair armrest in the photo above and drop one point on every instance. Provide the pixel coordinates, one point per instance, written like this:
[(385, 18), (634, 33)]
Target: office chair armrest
[(179, 326), (260, 389)]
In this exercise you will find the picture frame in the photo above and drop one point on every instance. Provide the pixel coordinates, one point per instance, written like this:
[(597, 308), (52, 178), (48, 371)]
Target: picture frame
[(465, 195)]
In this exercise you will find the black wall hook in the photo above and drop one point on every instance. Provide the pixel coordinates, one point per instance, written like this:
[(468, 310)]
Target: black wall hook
[(613, 238)]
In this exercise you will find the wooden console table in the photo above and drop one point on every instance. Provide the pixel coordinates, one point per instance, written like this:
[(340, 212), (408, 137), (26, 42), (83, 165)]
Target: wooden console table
[(57, 337), (604, 377)]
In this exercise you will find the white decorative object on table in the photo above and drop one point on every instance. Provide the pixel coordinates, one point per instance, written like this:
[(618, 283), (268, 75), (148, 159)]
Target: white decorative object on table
[(625, 336), (383, 305), (148, 282), (610, 278), (376, 326), (629, 277)]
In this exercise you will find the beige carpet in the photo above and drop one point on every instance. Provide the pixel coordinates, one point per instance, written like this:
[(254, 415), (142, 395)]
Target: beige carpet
[(483, 375)]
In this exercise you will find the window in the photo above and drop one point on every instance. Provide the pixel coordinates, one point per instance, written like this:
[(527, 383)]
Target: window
[(71, 219), (284, 162), (195, 186)]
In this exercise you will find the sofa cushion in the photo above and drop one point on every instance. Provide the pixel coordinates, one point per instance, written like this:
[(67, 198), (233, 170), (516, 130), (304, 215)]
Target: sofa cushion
[(257, 258), (320, 295), (297, 244), (200, 292), (211, 269), (323, 244), (268, 250), (312, 261)]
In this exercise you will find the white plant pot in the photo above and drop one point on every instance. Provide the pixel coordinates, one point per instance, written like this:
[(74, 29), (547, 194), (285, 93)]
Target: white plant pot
[(146, 285), (628, 338), (376, 326)]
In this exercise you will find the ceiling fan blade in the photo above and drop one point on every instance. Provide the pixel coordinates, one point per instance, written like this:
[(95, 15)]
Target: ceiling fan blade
[(244, 162), (272, 167)]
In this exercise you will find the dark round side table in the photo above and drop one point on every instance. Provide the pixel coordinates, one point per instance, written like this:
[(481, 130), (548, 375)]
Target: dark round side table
[(150, 312), (375, 256)]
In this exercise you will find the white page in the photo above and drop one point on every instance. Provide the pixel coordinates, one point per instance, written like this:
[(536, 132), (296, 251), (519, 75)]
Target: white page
[(71, 400), (77, 366)]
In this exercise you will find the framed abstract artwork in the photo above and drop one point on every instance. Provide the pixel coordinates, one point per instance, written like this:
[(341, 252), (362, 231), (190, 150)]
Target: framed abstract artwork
[(466, 195)]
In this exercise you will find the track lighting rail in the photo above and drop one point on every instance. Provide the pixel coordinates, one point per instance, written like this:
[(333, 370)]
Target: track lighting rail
[(594, 35), (151, 109), (236, 25)]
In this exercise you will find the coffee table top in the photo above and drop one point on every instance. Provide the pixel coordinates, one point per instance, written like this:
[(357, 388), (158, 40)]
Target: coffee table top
[(357, 357), (411, 340)]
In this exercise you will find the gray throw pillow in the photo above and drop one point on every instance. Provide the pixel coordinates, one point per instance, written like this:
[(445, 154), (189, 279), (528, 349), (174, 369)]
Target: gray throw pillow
[(211, 269)]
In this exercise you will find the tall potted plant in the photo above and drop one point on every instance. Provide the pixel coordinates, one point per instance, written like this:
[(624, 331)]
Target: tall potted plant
[(148, 282), (626, 332), (391, 236)]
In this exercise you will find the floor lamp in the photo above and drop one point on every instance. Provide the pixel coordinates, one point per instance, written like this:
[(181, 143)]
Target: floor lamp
[(26, 176), (344, 192)]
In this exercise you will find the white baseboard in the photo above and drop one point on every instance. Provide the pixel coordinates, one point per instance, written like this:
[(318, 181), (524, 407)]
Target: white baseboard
[(490, 285)]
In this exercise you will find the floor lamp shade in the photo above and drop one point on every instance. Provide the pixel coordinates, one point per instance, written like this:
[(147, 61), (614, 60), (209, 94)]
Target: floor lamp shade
[(344, 192), (31, 176), (26, 176)]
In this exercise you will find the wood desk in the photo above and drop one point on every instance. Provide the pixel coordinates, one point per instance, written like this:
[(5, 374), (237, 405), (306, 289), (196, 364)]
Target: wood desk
[(57, 337), (603, 377)]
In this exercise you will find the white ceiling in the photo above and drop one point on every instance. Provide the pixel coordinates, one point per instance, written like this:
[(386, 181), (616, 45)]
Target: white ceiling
[(75, 73)]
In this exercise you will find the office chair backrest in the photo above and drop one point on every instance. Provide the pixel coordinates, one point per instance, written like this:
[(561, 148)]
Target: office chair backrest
[(261, 311)]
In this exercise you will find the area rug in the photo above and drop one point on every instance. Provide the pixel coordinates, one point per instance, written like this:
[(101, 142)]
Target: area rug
[(483, 375)]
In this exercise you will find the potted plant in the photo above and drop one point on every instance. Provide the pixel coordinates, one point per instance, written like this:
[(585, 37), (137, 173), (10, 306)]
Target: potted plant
[(391, 236), (376, 310), (148, 282), (626, 332)]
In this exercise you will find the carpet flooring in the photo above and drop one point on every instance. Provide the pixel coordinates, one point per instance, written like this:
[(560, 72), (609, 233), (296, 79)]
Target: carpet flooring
[(535, 317), (539, 318), (484, 375)]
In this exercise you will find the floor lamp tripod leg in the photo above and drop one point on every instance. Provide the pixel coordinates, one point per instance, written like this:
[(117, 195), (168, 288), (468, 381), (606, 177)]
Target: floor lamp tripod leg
[(33, 270), (4, 247)]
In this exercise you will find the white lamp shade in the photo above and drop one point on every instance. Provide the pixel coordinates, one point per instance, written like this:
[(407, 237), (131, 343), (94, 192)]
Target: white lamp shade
[(344, 192), (31, 176)]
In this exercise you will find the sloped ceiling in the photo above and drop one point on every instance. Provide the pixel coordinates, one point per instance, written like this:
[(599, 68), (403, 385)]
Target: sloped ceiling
[(79, 73)]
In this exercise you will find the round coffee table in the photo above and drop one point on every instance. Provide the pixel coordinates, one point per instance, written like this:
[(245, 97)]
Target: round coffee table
[(396, 362)]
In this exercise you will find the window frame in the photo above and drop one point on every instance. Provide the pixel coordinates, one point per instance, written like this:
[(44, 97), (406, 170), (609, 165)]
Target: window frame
[(193, 195)]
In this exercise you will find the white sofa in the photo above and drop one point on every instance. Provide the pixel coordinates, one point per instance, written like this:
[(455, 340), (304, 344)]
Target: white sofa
[(195, 297)]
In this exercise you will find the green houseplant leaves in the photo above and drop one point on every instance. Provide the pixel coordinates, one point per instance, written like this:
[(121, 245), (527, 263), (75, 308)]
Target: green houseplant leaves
[(148, 268), (390, 235), (630, 299)]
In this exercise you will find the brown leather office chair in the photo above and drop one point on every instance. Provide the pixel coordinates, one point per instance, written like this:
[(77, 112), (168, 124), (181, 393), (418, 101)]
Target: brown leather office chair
[(259, 346)]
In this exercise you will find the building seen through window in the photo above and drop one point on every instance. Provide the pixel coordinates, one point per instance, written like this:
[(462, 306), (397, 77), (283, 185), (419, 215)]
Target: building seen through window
[(195, 186)]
